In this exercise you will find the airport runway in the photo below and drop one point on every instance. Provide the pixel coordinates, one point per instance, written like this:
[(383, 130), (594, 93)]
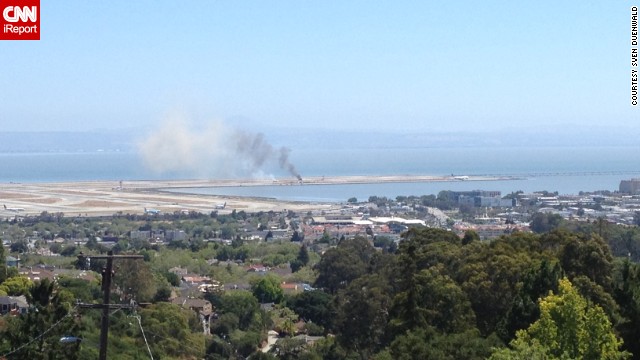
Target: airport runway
[(103, 198)]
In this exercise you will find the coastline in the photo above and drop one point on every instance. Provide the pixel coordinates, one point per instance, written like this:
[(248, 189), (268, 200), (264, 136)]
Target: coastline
[(104, 198)]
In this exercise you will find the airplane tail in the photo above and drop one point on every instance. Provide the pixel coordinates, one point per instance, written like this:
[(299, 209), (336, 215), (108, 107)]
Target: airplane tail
[(5, 206)]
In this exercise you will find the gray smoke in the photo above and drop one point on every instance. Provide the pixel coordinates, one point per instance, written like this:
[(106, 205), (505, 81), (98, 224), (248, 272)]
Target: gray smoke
[(216, 150)]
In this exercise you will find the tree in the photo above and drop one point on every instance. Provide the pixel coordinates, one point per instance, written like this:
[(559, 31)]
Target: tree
[(627, 295), (362, 312), (227, 231), (435, 300), (219, 349), (19, 247), (168, 331), (135, 280), (569, 328), (429, 345), (315, 306), (68, 251), (343, 264), (49, 306), (469, 237), (163, 294), (301, 260), (243, 304), (81, 289), (3, 265), (283, 320), (268, 289), (541, 223), (524, 309), (15, 286), (172, 278), (303, 255), (296, 236), (589, 256)]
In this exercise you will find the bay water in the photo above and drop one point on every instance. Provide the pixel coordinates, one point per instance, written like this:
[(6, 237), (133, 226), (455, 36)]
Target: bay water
[(567, 170)]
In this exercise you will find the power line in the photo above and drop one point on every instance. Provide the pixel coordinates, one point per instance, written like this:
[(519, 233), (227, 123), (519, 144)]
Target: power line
[(144, 336), (39, 336), (107, 273)]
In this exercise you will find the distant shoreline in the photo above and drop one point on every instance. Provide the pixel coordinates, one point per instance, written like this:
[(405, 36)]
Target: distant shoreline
[(102, 198), (330, 180)]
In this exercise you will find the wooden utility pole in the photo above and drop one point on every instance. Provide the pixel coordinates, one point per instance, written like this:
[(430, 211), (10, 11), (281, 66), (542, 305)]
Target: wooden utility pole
[(107, 273)]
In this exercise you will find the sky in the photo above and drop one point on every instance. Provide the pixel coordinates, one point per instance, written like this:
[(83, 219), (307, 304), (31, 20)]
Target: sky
[(418, 66)]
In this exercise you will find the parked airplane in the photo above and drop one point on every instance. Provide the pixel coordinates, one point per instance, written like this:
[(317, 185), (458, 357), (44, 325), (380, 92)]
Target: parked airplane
[(221, 206), (13, 209), (462, 178), (151, 211)]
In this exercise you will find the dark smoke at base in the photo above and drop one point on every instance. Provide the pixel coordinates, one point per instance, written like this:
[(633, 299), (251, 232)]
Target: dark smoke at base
[(285, 164), (216, 150), (256, 148)]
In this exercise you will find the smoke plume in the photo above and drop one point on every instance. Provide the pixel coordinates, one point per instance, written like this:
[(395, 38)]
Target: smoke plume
[(214, 151)]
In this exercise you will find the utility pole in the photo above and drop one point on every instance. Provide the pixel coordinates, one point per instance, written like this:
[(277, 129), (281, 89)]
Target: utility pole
[(107, 274)]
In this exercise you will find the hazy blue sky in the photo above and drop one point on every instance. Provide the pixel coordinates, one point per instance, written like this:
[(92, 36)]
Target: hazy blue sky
[(424, 65)]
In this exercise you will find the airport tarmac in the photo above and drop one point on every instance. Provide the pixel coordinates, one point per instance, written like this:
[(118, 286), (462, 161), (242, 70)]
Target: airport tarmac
[(104, 198)]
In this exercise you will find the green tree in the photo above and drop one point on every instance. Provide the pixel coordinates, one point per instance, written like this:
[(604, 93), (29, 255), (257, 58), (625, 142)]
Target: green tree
[(135, 280), (426, 344), (81, 289), (219, 349), (362, 312), (15, 286), (524, 310), (51, 310), (469, 237), (3, 264), (589, 256), (303, 255), (343, 264), (541, 223), (627, 295), (163, 294), (172, 278), (244, 305), (19, 247), (433, 300), (569, 328), (296, 236), (315, 306), (267, 289), (301, 260), (489, 274), (169, 332)]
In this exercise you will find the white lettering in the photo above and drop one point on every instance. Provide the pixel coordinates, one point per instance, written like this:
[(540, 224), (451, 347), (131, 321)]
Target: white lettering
[(23, 14), (8, 28)]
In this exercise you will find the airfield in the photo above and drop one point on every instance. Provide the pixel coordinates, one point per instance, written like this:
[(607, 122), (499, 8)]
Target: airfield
[(105, 198)]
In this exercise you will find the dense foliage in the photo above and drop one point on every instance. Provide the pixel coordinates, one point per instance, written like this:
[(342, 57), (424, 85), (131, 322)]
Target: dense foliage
[(570, 291)]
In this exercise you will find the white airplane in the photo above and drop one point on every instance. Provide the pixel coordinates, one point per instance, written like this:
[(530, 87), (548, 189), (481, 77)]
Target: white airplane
[(13, 209), (221, 206), (462, 178), (151, 211)]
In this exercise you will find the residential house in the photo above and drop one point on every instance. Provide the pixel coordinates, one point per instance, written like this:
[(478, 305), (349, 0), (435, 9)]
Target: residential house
[(13, 305)]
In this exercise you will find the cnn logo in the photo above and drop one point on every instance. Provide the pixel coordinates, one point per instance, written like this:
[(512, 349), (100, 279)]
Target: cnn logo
[(15, 13), (20, 20)]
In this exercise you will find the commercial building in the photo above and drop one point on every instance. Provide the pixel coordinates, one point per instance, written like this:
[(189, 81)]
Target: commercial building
[(630, 186)]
